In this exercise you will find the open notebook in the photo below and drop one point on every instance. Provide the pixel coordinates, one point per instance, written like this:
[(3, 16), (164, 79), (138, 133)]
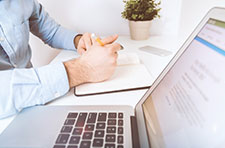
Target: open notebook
[(130, 74)]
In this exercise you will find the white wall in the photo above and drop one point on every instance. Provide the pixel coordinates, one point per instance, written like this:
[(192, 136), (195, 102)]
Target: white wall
[(192, 12), (100, 16)]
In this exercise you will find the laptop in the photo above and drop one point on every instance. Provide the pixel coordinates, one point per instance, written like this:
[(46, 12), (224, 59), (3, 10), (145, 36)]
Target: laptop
[(184, 107)]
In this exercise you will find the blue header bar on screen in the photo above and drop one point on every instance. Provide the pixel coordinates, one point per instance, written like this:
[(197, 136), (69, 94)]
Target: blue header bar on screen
[(215, 48)]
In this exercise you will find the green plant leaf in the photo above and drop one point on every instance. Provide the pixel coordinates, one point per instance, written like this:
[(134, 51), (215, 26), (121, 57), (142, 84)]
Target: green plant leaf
[(141, 10)]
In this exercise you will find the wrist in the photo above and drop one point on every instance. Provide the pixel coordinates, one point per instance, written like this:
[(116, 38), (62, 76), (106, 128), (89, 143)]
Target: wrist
[(76, 72), (77, 39)]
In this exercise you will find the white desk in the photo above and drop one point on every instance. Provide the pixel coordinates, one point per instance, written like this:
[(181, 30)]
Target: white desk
[(155, 64)]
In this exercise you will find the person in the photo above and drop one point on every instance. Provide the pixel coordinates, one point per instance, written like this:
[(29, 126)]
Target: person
[(24, 86)]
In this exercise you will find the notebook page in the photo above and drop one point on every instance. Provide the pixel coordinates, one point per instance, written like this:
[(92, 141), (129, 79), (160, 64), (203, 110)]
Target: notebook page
[(125, 77)]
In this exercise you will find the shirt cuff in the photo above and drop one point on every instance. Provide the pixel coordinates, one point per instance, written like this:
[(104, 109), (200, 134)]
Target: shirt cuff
[(54, 81)]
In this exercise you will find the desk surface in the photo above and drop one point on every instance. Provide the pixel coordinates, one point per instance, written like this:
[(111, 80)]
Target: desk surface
[(155, 64)]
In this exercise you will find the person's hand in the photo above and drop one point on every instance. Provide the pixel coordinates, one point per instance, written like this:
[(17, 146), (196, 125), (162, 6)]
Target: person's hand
[(85, 42), (97, 64)]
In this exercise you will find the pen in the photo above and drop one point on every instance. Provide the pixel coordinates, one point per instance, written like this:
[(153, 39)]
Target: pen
[(97, 39)]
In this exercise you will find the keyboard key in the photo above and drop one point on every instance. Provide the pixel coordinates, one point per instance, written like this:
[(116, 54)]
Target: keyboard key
[(59, 146), (66, 129), (74, 140), (85, 144), (62, 139), (98, 143), (120, 130), (109, 145), (120, 139), (100, 126), (87, 135), (112, 115), (111, 122), (92, 117), (69, 122), (102, 117), (77, 131), (111, 130), (119, 146), (99, 133), (110, 138), (81, 119), (89, 127), (72, 115), (72, 146), (120, 122), (120, 115)]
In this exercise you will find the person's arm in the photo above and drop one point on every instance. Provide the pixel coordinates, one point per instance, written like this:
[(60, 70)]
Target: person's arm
[(51, 33), (21, 88)]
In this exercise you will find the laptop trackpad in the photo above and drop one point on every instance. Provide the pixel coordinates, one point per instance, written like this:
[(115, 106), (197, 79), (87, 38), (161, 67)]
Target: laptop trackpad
[(31, 127)]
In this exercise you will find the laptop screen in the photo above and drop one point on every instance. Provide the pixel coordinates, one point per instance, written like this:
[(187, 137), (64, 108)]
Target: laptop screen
[(187, 108)]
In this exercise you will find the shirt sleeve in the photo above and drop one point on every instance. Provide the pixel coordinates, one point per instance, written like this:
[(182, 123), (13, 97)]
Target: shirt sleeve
[(51, 33), (21, 88)]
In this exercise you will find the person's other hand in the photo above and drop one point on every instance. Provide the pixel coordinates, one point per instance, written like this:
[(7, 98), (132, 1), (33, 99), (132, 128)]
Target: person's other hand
[(97, 64), (86, 41)]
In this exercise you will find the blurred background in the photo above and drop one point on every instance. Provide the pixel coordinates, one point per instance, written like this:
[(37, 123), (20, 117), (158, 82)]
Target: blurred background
[(103, 17)]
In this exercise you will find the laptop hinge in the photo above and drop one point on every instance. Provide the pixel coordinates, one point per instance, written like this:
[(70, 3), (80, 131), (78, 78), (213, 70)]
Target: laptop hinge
[(134, 131)]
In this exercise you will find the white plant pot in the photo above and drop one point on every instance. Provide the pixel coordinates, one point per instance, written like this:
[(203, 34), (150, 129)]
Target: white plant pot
[(139, 30)]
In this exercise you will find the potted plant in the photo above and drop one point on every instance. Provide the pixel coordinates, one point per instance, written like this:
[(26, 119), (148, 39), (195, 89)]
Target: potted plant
[(140, 13)]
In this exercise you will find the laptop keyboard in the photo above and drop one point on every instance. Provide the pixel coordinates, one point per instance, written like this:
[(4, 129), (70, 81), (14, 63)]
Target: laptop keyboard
[(86, 130)]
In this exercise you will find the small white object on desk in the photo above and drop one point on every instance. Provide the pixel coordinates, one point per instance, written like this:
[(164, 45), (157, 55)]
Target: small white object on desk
[(155, 50), (130, 74)]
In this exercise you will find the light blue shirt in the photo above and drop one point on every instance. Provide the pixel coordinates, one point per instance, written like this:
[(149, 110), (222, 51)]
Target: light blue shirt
[(21, 85)]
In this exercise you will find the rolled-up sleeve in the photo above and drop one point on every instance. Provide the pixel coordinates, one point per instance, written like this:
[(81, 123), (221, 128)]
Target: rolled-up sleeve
[(51, 33), (21, 88)]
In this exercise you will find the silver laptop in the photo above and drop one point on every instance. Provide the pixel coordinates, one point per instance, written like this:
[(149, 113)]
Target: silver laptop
[(184, 107)]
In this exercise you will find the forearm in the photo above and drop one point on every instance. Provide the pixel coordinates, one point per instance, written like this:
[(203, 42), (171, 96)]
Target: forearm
[(21, 88), (63, 39)]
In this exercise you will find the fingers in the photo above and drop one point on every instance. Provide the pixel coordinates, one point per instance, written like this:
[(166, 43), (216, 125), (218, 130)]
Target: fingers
[(94, 42), (115, 47), (110, 39), (87, 40), (105, 41), (81, 51), (116, 57)]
